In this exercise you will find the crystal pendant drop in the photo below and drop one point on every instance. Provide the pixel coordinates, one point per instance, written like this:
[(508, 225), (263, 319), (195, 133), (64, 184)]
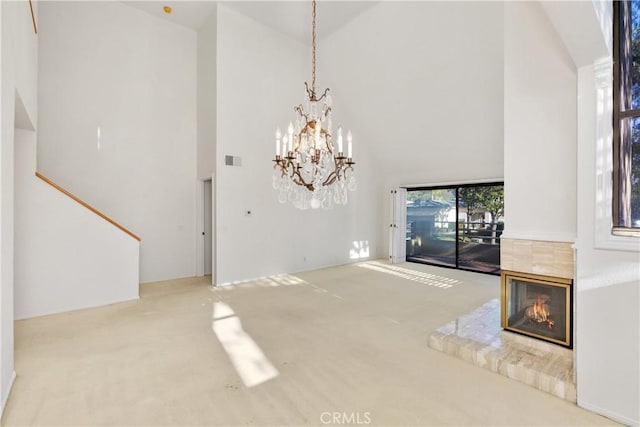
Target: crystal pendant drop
[(353, 185)]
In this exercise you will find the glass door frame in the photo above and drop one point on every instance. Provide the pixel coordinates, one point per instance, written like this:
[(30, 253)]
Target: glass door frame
[(456, 188)]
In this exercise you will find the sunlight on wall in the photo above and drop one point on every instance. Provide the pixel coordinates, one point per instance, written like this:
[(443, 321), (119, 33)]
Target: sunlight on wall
[(604, 153), (359, 249), (604, 13), (247, 358), (416, 276)]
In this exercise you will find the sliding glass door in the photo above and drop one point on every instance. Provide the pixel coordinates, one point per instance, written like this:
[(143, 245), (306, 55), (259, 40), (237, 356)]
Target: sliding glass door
[(431, 226), (456, 226)]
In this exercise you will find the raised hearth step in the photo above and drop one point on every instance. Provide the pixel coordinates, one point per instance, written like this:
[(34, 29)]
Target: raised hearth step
[(477, 337)]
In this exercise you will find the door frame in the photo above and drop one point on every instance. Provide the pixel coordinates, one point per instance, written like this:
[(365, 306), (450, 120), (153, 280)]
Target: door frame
[(398, 225), (200, 229)]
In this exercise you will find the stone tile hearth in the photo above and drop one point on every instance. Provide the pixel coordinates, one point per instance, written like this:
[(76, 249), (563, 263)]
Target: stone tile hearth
[(477, 337)]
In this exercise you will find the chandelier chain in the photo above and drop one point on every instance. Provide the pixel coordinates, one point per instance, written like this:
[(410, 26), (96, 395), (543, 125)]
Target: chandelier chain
[(311, 169), (313, 55)]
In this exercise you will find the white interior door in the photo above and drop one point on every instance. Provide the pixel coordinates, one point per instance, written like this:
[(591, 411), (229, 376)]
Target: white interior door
[(207, 230), (398, 226)]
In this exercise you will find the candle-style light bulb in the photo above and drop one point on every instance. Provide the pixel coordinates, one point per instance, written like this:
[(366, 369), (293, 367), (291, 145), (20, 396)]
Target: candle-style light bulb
[(290, 132), (340, 140), (349, 146), (284, 146), (278, 135)]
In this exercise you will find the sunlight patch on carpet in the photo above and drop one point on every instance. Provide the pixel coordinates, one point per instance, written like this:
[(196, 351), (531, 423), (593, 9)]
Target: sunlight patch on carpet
[(413, 275), (247, 357)]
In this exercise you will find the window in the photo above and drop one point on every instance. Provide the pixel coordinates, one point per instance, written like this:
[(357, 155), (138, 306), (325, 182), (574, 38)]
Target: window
[(456, 226), (626, 117)]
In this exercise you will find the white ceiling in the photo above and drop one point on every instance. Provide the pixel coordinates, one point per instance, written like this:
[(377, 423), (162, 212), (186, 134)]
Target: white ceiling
[(191, 14), (294, 17), (580, 29), (289, 17)]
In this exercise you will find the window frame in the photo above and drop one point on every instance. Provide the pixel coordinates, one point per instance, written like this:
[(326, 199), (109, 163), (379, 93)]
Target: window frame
[(621, 145)]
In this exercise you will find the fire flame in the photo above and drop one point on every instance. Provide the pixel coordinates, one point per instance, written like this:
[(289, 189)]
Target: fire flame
[(539, 312)]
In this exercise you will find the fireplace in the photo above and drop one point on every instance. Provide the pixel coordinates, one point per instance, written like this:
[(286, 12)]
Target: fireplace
[(538, 306)]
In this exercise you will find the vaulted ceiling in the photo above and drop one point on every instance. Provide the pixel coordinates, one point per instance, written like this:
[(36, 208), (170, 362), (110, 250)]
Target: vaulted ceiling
[(292, 18), (191, 14)]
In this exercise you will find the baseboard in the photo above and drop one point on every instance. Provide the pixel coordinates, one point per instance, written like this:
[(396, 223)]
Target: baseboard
[(293, 273), (5, 398), (73, 309), (609, 414)]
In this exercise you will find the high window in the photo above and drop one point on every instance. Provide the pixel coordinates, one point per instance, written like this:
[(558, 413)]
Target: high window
[(626, 117), (456, 226)]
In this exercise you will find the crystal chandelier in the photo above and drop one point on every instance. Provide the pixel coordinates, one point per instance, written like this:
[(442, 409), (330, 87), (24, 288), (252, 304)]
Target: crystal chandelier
[(309, 170)]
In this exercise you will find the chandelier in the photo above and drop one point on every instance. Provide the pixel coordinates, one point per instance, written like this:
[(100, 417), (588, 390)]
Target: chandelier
[(309, 170)]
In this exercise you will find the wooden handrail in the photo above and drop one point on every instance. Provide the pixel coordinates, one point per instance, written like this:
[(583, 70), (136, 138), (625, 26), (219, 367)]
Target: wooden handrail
[(85, 204)]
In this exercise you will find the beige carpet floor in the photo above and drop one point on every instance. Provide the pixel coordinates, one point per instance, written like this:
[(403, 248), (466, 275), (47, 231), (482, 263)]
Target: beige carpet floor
[(343, 345)]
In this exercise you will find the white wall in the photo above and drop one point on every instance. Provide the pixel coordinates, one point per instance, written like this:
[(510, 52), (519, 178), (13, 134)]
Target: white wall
[(207, 102), (18, 86), (24, 45), (260, 78), (207, 96), (550, 182), (132, 75), (66, 257), (539, 127), (420, 84), (607, 353), (7, 374), (608, 280)]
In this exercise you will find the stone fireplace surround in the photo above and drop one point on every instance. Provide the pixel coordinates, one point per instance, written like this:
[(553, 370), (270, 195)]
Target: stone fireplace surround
[(478, 338), (537, 257)]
